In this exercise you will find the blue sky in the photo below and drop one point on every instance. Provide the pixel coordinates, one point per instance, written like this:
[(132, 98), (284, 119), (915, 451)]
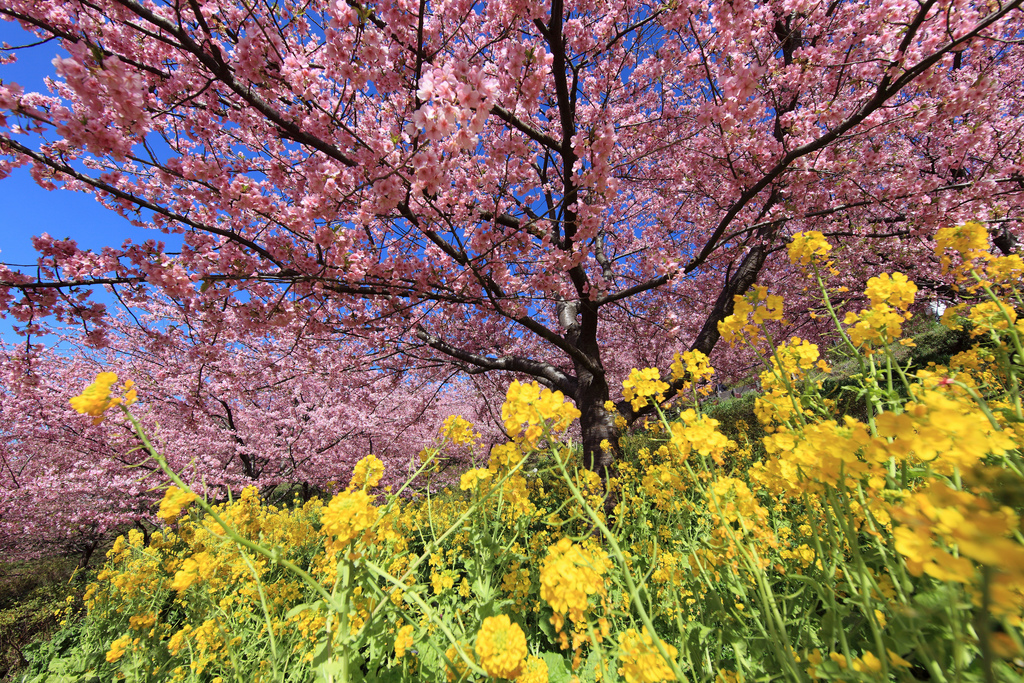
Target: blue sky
[(30, 210)]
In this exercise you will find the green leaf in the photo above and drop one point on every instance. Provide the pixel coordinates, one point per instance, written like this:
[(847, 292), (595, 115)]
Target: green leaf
[(558, 670), (330, 670), (593, 664), (299, 609), (545, 625), (322, 653), (483, 590)]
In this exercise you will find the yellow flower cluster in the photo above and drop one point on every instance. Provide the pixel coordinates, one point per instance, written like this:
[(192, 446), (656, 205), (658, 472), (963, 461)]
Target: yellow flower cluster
[(198, 567), (534, 671), (734, 502), (809, 248), (642, 385), (118, 648), (942, 427), (458, 431), (457, 656), (528, 409), (692, 433), (471, 479), (348, 516), (895, 290), (501, 647), (174, 501), (96, 398), (968, 242), (749, 312), (639, 659), (570, 575), (367, 473), (819, 454), (948, 534), (1005, 271), (881, 324), (991, 317), (693, 367), (404, 640), (793, 359), (876, 326)]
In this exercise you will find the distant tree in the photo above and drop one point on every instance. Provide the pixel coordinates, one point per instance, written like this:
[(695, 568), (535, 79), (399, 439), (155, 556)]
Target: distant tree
[(231, 412)]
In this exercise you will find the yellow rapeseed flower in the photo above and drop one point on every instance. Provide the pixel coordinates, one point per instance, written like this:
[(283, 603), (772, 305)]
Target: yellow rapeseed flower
[(404, 640), (473, 478), (96, 398), (969, 241), (877, 326), (809, 247), (895, 290), (991, 316), (691, 365), (367, 473), (750, 310), (456, 667), (1006, 270), (141, 622), (868, 663), (118, 648), (534, 407), (501, 647), (642, 385), (640, 660), (458, 431), (348, 516), (570, 575), (534, 671), (174, 501), (504, 457), (199, 566)]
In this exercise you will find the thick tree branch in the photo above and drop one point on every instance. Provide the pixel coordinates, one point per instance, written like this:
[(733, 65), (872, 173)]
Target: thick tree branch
[(563, 382), (523, 127)]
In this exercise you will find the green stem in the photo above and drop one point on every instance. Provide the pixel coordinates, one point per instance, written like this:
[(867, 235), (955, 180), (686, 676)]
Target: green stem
[(620, 557)]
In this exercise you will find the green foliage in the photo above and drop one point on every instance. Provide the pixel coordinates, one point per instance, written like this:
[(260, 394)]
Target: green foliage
[(938, 345), (738, 421), (32, 594)]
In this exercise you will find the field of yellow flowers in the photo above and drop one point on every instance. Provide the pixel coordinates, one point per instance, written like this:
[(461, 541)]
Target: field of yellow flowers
[(834, 548)]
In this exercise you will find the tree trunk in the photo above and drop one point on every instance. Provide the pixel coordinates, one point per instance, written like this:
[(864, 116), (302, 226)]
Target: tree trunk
[(597, 424), (742, 280), (83, 559), (1006, 241)]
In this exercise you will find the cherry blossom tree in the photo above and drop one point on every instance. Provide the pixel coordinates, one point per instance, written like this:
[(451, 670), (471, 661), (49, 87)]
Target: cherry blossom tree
[(279, 412), (63, 483), (507, 186)]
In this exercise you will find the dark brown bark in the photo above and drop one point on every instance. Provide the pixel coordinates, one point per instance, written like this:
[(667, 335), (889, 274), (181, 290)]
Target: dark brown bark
[(597, 424), (1006, 242), (87, 551), (740, 281)]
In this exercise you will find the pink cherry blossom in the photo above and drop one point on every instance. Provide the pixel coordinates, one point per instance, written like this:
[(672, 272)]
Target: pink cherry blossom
[(561, 191)]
